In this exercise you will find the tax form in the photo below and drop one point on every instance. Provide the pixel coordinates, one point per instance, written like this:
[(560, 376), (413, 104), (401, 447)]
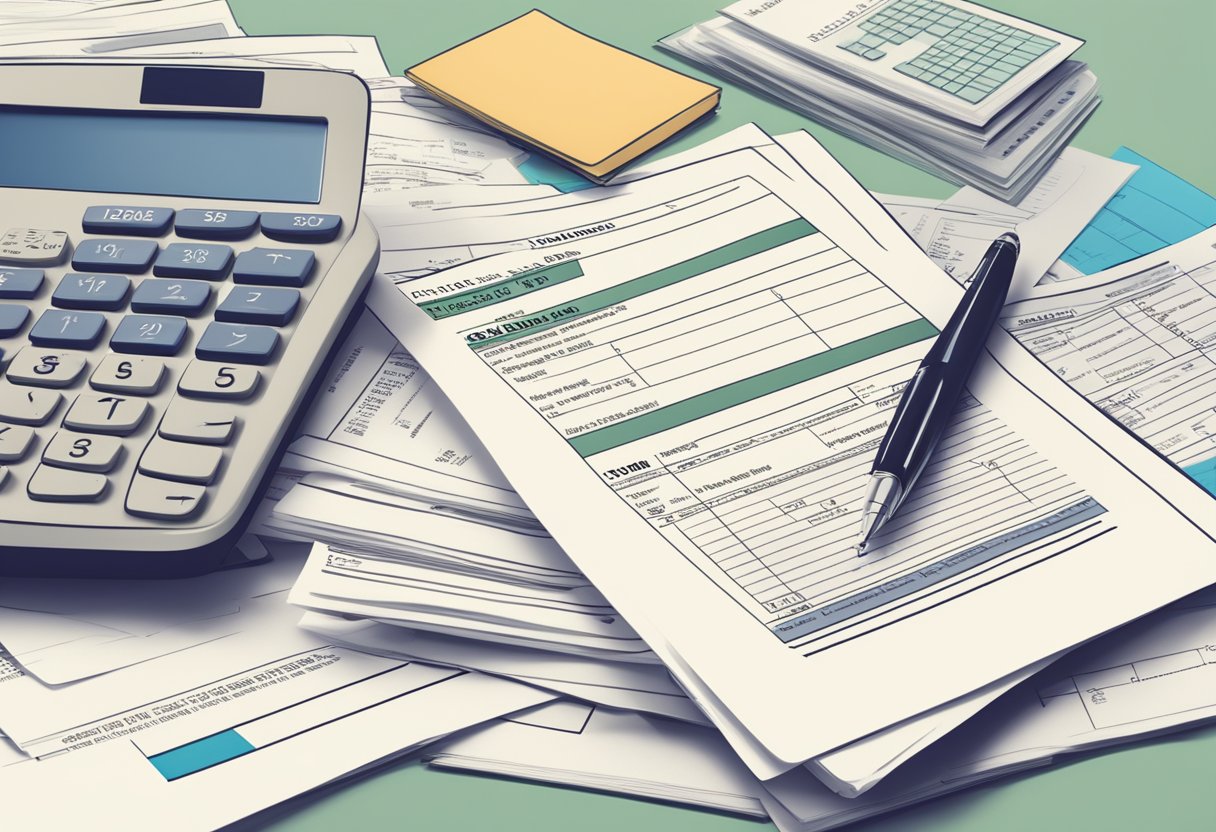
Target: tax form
[(1138, 341), (702, 362)]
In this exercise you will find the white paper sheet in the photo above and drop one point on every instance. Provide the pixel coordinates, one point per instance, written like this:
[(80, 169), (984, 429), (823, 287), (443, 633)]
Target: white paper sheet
[(614, 751), (685, 196)]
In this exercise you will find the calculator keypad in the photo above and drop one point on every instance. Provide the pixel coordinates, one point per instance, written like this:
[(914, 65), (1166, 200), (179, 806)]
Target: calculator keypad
[(103, 254), (164, 499), (258, 305), (171, 297), (13, 319), (110, 414), (242, 343), (190, 421), (149, 335), (213, 224), (15, 442), (46, 368), (300, 228), (203, 316), (210, 262), (137, 220), (20, 284), (218, 381), (106, 292), (60, 485), (128, 374), (33, 246), (273, 267), (81, 452), (181, 461), (74, 330), (28, 406)]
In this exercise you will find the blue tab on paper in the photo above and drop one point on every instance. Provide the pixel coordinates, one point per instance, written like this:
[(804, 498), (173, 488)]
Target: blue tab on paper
[(540, 171), (1154, 209), (1203, 473), (200, 754)]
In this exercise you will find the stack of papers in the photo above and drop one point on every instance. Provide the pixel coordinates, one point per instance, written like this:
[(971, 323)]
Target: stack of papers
[(602, 109), (976, 96), (439, 614), (725, 462)]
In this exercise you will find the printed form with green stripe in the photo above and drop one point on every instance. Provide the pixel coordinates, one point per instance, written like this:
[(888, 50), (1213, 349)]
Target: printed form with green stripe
[(726, 369), (626, 367)]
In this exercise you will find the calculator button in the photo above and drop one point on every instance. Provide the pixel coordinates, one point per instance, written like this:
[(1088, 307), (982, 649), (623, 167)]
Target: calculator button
[(273, 266), (213, 224), (106, 292), (28, 407), (258, 305), (20, 284), (149, 335), (83, 453), (80, 330), (180, 461), (115, 415), (46, 368), (33, 246), (58, 485), (105, 254), (157, 498), (171, 297), (127, 219), (134, 375), (301, 228), (218, 381), (192, 421), (15, 441), (242, 343), (12, 319), (193, 260)]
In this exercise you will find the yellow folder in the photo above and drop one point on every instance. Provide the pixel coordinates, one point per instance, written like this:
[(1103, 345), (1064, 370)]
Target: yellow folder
[(583, 102)]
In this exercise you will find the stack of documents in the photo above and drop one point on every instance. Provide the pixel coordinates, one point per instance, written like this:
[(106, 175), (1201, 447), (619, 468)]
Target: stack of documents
[(693, 370), (705, 371), (978, 97)]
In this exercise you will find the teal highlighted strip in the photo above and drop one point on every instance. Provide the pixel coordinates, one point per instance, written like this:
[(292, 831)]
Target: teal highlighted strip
[(509, 289), (751, 245), (200, 754), (541, 171), (1154, 209), (1203, 473), (735, 393)]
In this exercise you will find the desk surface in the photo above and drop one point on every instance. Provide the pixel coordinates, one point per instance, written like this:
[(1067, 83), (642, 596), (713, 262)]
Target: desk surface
[(1155, 73)]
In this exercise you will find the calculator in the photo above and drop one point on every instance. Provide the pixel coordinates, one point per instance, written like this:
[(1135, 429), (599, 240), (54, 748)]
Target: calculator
[(180, 251)]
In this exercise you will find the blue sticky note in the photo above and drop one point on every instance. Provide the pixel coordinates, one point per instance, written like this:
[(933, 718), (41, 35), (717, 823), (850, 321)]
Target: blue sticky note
[(1154, 209), (201, 754), (1203, 473), (540, 171)]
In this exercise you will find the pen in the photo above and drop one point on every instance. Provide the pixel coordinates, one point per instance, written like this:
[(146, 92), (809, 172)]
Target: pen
[(931, 396)]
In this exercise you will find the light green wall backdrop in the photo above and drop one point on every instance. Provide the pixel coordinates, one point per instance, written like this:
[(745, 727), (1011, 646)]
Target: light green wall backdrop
[(1155, 62)]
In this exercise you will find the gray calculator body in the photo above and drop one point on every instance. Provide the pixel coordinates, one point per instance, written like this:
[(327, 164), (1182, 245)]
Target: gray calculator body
[(187, 248)]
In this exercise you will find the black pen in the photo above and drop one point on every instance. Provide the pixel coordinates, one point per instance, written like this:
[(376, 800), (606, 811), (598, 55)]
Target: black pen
[(930, 398)]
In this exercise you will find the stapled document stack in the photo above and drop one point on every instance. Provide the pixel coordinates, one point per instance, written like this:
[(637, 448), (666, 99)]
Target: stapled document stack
[(978, 97), (584, 103)]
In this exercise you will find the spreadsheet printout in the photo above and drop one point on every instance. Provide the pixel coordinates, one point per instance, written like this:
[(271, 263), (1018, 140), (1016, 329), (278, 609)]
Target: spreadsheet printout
[(686, 378), (961, 59), (1138, 341)]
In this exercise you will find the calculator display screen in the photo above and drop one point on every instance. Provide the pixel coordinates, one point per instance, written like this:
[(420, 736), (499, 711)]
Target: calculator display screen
[(170, 154)]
